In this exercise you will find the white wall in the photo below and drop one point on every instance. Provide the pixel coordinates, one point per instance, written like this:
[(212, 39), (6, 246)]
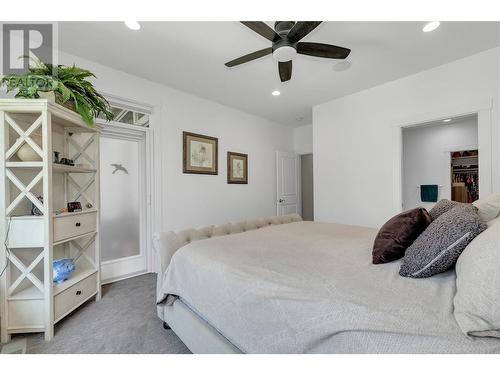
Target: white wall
[(303, 139), (194, 200), (426, 157), (357, 140)]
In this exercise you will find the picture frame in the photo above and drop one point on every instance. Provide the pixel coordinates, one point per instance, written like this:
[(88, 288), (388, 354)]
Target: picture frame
[(74, 207), (200, 154), (237, 168)]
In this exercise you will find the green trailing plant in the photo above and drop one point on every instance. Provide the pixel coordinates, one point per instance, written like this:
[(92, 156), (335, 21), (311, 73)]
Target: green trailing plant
[(70, 85)]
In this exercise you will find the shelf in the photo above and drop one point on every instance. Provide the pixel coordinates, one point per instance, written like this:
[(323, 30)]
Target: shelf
[(464, 157), (24, 164), (56, 168), (465, 170), (62, 168), (77, 276), (69, 239), (60, 115), (31, 293), (75, 213)]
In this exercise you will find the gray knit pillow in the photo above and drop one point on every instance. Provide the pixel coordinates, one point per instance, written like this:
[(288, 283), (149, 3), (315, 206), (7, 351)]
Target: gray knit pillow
[(439, 246), (444, 205)]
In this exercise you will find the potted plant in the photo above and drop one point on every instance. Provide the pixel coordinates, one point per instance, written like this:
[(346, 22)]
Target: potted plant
[(69, 84)]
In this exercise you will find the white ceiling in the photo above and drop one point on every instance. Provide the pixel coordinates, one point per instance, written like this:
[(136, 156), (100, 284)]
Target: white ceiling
[(190, 56)]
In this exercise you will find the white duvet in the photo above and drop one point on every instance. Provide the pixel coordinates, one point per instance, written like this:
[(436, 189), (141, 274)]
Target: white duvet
[(311, 288)]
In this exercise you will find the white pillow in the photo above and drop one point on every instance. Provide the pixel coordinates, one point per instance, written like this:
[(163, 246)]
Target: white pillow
[(489, 207), (477, 301)]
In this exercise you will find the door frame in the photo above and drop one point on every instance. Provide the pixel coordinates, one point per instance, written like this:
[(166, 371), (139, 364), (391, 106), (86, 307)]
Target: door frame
[(148, 214), (482, 109), (298, 184)]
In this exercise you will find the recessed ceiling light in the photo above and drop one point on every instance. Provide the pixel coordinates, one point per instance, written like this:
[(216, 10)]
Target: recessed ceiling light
[(431, 26), (447, 120), (276, 93), (133, 25)]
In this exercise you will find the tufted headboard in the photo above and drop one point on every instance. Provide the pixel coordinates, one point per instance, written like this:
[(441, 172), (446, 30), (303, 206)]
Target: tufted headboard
[(165, 244)]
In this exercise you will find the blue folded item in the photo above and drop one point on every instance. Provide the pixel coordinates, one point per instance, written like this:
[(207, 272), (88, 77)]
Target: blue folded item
[(429, 193), (62, 269)]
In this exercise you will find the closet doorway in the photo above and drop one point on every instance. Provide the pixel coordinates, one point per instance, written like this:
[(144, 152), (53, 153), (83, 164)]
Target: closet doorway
[(440, 160), (464, 175), (307, 186)]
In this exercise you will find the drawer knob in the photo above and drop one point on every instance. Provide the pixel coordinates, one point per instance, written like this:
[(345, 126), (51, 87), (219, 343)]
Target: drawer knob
[(78, 224), (78, 292)]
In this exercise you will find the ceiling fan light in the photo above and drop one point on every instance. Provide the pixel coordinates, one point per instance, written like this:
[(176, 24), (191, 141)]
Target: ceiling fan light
[(431, 26), (285, 53), (133, 25)]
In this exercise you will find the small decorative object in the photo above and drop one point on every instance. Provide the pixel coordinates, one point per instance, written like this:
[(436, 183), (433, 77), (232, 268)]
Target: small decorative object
[(200, 154), (89, 205), (66, 161), (62, 270), (119, 167), (27, 153), (56, 156), (74, 206), (237, 168), (70, 86), (35, 210), (61, 211)]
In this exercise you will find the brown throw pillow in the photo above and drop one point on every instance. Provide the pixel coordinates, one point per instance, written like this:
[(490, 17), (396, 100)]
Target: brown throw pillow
[(398, 234)]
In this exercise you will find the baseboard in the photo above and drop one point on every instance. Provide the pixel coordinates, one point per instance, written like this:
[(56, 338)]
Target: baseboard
[(124, 277)]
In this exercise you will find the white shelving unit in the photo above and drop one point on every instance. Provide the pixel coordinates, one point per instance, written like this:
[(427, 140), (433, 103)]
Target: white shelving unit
[(29, 300)]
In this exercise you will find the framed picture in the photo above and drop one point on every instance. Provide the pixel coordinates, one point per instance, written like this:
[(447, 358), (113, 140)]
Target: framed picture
[(200, 154), (74, 207), (237, 168)]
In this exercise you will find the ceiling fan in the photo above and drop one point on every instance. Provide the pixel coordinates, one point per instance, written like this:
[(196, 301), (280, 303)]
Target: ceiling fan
[(286, 38)]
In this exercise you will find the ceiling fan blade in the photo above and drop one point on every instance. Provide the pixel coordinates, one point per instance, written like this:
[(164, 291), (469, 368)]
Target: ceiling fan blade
[(285, 70), (301, 29), (262, 29), (250, 57), (322, 50)]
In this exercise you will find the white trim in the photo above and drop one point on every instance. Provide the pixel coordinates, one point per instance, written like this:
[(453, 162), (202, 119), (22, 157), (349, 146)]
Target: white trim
[(483, 111), (132, 105), (145, 136)]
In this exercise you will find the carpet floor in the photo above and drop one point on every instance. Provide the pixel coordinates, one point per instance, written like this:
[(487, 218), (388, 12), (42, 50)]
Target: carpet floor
[(123, 321)]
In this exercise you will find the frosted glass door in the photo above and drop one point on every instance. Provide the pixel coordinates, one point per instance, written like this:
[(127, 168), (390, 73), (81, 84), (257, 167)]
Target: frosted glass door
[(122, 199)]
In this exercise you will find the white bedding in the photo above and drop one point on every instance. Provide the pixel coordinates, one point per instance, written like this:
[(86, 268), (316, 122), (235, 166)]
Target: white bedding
[(311, 288)]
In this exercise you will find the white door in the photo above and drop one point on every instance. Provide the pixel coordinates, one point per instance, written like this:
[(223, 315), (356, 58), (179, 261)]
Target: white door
[(123, 204), (288, 183)]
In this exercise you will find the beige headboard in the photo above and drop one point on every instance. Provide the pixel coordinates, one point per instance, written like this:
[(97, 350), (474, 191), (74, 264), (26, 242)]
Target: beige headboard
[(166, 244)]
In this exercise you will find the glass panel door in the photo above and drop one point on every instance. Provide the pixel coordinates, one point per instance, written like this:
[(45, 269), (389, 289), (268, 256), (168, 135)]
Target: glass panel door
[(123, 200)]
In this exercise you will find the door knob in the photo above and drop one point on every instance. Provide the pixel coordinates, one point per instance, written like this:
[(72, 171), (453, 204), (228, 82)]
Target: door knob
[(281, 200)]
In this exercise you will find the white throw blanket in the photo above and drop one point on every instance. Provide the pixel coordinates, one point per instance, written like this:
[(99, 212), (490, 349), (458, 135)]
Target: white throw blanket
[(311, 287)]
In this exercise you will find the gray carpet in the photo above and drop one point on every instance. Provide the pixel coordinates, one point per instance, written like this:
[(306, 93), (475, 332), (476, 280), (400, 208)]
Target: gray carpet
[(124, 321)]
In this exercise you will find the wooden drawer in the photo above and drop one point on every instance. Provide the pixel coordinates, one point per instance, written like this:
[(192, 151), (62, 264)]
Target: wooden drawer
[(69, 299), (74, 225)]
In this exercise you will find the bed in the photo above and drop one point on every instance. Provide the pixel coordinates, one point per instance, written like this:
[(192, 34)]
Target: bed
[(283, 285)]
